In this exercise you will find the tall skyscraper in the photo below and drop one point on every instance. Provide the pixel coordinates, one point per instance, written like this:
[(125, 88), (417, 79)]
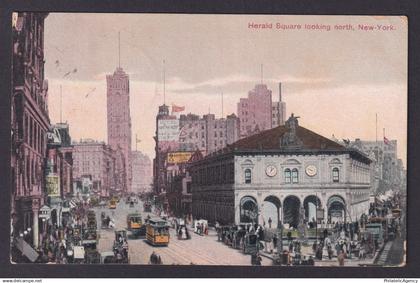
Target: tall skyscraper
[(255, 111), (119, 124)]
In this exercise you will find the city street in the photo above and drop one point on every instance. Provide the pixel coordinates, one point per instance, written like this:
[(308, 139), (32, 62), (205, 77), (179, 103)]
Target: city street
[(200, 250)]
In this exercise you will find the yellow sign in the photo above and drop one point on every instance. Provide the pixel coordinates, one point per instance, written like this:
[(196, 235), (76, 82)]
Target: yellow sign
[(179, 157), (53, 186)]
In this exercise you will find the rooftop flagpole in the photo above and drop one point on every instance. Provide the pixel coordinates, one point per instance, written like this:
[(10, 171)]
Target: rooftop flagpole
[(119, 50), (164, 83)]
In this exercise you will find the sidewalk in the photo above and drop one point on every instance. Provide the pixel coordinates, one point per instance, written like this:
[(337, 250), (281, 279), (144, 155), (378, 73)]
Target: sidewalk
[(307, 251)]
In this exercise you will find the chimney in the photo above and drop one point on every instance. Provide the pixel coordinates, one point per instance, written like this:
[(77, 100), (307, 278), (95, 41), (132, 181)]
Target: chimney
[(279, 92)]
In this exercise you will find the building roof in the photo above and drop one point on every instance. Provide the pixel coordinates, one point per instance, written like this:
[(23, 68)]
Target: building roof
[(288, 139), (270, 140)]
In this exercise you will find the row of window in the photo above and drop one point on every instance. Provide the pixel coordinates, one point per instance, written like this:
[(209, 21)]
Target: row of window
[(292, 176), (220, 174), (34, 134)]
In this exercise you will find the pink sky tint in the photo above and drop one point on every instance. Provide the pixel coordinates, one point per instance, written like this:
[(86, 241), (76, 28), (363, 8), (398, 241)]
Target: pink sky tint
[(335, 81)]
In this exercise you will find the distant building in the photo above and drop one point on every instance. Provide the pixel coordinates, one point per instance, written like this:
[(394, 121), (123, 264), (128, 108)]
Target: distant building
[(258, 112), (95, 159), (255, 111), (207, 134), (388, 170), (290, 168), (142, 172), (119, 124)]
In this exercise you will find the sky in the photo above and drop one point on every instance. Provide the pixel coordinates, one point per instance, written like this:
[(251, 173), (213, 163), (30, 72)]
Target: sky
[(336, 80)]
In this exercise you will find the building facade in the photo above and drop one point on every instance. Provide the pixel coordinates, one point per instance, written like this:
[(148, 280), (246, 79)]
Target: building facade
[(142, 172), (97, 160), (166, 139), (289, 169), (207, 134), (255, 111), (30, 123), (119, 123), (387, 168)]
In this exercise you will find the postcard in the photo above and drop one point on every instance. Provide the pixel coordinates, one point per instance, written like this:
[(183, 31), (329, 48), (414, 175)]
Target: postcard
[(208, 139)]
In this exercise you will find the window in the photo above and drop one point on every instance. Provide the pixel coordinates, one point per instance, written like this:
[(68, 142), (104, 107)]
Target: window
[(247, 176), (335, 175), (287, 176), (295, 176)]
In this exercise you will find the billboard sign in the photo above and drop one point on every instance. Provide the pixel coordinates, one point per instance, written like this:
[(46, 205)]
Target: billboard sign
[(53, 185), (168, 130), (178, 157)]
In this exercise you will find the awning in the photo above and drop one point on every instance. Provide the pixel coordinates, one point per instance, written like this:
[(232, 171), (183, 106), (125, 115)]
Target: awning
[(27, 250)]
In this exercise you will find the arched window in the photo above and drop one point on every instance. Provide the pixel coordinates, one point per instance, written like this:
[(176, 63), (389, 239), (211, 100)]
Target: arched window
[(287, 176), (247, 176), (295, 176), (336, 175)]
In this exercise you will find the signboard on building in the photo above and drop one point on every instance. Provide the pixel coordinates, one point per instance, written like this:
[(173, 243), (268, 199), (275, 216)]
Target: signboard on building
[(53, 185), (45, 212), (168, 130), (179, 157)]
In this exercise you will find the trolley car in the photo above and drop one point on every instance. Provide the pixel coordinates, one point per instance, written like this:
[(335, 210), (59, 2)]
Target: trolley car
[(135, 224), (112, 204), (157, 232)]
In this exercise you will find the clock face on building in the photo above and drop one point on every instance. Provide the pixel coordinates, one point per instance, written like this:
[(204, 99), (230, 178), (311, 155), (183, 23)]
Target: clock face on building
[(311, 170), (271, 170)]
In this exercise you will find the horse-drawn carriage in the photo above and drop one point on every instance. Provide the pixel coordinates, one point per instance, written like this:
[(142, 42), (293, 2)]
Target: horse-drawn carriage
[(147, 207), (250, 243), (201, 227), (182, 230), (120, 246)]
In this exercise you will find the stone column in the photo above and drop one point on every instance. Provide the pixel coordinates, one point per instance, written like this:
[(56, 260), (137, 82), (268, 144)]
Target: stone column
[(35, 229)]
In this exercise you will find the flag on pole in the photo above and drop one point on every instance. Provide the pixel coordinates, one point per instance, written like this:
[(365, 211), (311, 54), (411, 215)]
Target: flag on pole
[(386, 141), (176, 108)]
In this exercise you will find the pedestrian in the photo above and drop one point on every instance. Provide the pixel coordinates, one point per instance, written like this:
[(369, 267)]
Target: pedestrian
[(290, 247), (275, 242), (269, 222), (153, 258), (341, 258), (259, 259)]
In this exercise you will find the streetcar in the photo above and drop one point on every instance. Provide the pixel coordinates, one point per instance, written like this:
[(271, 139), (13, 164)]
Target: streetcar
[(135, 224), (157, 232), (112, 204)]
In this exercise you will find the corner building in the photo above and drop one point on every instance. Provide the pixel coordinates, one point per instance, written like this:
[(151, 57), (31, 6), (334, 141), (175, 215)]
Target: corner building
[(289, 168), (30, 123)]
